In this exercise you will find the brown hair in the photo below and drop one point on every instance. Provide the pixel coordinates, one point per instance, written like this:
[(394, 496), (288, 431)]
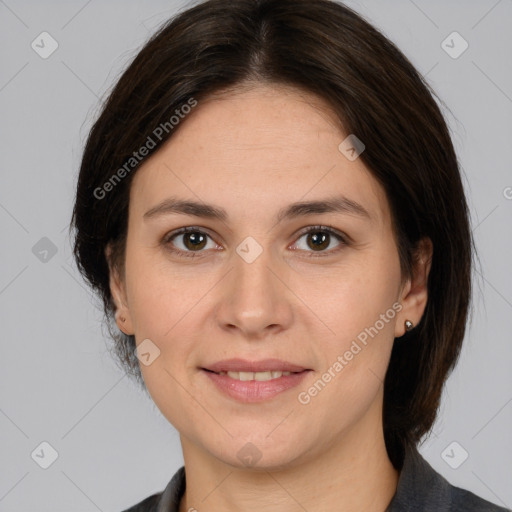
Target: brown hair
[(327, 49)]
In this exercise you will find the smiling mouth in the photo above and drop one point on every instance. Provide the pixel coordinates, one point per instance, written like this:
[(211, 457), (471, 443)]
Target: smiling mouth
[(259, 376)]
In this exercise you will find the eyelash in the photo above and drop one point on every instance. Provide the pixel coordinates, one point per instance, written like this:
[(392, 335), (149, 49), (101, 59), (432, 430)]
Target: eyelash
[(313, 229)]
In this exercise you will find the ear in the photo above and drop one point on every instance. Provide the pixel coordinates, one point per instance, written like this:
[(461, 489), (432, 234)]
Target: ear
[(415, 291), (118, 292)]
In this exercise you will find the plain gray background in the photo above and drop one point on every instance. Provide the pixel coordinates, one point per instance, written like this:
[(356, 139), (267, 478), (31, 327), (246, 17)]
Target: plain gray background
[(58, 382)]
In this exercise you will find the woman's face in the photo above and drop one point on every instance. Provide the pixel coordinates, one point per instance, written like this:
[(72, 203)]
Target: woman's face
[(255, 285)]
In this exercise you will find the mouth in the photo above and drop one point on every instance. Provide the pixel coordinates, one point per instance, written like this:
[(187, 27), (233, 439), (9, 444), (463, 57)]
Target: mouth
[(259, 376), (254, 381)]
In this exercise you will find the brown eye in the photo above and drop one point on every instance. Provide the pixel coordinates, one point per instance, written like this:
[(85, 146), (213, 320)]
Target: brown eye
[(188, 242), (318, 239)]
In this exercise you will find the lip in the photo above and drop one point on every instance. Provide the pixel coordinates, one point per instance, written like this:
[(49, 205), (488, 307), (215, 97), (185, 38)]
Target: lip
[(251, 391), (244, 365)]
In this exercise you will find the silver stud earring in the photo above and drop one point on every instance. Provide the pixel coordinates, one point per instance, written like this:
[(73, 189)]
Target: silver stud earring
[(408, 325)]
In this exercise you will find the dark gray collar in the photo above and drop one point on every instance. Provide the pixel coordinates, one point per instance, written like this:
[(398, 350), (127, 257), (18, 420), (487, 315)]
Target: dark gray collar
[(419, 485), (170, 499)]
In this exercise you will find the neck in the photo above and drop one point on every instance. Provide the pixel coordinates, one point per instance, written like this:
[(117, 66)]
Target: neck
[(352, 474)]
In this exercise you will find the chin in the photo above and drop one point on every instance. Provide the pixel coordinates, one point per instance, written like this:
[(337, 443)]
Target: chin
[(258, 455)]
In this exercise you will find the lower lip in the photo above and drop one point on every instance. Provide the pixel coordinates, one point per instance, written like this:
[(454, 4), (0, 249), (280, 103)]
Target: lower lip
[(255, 390)]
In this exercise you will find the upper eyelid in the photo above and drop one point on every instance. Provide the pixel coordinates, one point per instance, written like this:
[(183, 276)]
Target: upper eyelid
[(322, 227)]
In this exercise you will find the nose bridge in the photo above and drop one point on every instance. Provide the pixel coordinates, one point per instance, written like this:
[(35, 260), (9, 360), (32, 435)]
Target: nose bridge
[(252, 264), (255, 299)]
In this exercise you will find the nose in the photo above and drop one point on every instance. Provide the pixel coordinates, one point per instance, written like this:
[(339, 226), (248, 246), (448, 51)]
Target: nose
[(256, 300)]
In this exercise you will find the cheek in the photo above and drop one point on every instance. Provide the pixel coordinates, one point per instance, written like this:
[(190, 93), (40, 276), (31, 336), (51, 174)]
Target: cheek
[(165, 305), (355, 358), (355, 296), (361, 310), (157, 296)]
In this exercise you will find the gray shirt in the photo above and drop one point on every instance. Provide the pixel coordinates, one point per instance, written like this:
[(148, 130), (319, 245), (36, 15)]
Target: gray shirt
[(420, 489)]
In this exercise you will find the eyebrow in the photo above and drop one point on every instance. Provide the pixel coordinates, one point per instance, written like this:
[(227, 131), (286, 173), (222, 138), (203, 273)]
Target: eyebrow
[(337, 204)]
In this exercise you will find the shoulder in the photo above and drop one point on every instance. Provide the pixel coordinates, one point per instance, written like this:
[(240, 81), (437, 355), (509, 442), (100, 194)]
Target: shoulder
[(463, 500), (421, 489), (147, 505)]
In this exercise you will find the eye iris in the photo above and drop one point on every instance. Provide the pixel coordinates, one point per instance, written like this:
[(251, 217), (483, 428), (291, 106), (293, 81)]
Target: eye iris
[(196, 239), (319, 242)]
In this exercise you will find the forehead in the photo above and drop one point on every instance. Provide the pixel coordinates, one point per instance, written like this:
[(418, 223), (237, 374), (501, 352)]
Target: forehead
[(257, 149)]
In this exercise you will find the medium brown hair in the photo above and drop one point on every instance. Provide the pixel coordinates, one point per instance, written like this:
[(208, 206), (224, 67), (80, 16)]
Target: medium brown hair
[(324, 48)]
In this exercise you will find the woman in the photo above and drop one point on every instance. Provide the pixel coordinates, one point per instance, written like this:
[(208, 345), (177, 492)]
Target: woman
[(271, 209)]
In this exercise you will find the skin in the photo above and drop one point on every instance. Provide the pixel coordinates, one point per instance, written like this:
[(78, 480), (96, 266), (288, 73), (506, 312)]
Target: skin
[(328, 455)]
